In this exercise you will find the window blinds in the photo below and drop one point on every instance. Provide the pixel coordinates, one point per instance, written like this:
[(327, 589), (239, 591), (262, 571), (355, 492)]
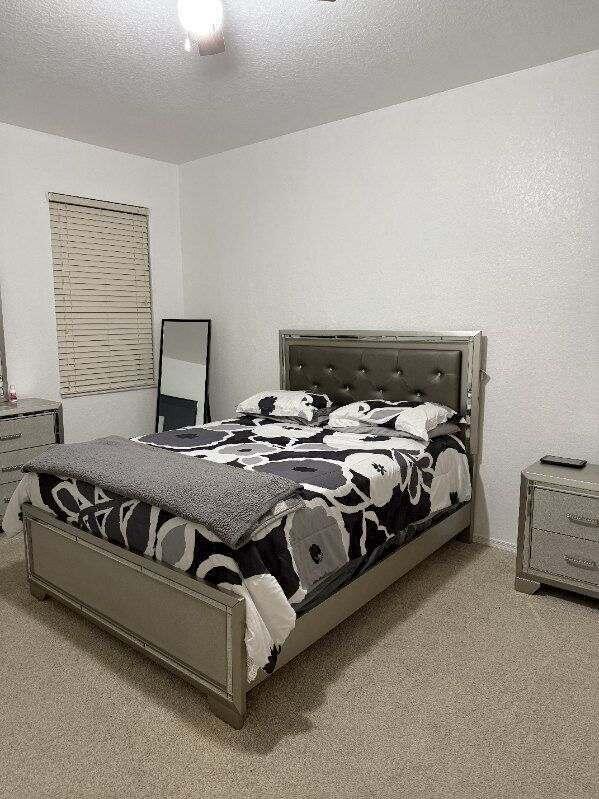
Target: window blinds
[(103, 295)]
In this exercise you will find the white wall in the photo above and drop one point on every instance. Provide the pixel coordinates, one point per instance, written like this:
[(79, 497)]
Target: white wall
[(474, 208), (32, 164)]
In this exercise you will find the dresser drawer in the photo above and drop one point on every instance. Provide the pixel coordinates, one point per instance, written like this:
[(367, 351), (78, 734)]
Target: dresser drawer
[(27, 431), (11, 462), (569, 514), (564, 556)]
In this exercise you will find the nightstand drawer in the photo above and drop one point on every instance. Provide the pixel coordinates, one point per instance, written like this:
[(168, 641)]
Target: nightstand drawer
[(11, 463), (569, 514), (27, 431), (564, 556), (6, 492)]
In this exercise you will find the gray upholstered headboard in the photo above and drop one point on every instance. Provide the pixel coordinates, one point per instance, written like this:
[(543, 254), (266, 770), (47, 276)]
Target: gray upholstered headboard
[(361, 365)]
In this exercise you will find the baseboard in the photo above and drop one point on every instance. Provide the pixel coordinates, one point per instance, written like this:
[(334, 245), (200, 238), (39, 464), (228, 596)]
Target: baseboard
[(498, 543)]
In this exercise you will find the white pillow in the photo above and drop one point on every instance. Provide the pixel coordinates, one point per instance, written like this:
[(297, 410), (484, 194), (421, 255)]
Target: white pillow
[(416, 419), (301, 405)]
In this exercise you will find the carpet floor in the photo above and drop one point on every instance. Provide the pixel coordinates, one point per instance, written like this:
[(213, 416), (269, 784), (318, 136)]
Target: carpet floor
[(449, 684)]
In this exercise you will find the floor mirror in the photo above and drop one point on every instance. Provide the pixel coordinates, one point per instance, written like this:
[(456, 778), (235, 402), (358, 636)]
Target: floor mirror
[(183, 376)]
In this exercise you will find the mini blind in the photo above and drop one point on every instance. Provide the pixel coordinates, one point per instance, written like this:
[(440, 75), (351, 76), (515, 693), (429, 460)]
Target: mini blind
[(103, 295)]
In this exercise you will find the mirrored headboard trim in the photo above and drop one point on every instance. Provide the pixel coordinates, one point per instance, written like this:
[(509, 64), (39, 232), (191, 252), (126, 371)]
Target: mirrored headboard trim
[(443, 367)]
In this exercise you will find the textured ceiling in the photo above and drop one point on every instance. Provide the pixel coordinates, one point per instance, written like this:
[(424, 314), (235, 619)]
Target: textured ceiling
[(114, 72)]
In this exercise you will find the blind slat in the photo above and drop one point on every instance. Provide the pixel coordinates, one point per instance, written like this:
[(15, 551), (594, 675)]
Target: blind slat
[(101, 291), (104, 253), (80, 373), (86, 292), (88, 379), (82, 284), (71, 201), (79, 282), (79, 377), (96, 355), (102, 296), (95, 351), (95, 215), (118, 299), (124, 332), (65, 229), (72, 390), (130, 270), (102, 230), (97, 318), (93, 307)]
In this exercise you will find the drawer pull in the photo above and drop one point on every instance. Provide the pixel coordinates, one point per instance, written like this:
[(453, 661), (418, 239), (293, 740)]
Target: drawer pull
[(12, 468), (11, 437), (584, 521), (581, 563)]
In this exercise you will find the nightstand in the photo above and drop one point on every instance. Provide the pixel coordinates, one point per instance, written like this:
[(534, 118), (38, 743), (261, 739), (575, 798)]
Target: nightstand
[(27, 428), (558, 531)]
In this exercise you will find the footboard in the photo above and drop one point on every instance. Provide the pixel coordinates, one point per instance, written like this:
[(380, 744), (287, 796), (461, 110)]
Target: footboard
[(192, 628)]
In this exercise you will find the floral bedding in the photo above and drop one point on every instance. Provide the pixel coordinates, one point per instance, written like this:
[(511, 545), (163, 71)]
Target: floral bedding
[(361, 493)]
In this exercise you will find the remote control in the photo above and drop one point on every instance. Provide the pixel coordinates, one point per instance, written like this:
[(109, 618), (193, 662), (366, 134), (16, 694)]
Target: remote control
[(555, 460)]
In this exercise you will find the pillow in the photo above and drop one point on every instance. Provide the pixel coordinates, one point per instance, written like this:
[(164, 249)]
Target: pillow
[(300, 405), (445, 429), (416, 419)]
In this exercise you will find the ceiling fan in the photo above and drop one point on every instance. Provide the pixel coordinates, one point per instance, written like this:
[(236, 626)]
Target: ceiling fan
[(202, 21)]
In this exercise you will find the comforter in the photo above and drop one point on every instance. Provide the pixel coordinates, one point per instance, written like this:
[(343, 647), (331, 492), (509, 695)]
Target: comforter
[(360, 493)]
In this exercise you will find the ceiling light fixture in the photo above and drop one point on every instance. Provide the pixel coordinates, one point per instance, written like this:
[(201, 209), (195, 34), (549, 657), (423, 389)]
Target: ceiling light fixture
[(203, 23)]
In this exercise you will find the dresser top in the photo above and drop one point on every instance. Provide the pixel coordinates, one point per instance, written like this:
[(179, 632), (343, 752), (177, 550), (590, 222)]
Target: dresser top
[(25, 406), (587, 477)]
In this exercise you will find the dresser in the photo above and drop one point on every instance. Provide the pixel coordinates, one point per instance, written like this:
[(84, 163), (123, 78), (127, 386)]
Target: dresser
[(558, 531), (26, 429)]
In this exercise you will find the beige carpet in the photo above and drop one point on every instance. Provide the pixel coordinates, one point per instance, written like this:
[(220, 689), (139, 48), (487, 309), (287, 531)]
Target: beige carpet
[(449, 684)]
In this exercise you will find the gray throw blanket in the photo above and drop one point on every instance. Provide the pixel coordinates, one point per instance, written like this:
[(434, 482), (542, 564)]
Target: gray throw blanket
[(228, 501)]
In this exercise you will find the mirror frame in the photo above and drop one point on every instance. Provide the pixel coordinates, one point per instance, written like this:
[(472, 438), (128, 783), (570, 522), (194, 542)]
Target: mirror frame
[(206, 394)]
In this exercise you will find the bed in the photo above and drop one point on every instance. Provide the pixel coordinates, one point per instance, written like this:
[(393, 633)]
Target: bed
[(200, 612)]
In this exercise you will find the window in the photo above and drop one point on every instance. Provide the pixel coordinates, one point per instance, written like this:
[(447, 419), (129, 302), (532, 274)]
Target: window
[(103, 295)]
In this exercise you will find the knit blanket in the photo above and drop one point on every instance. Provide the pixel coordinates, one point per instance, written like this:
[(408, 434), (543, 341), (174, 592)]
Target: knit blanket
[(229, 502)]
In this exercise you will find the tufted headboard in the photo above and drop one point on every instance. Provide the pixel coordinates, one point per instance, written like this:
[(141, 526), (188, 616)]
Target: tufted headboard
[(361, 365)]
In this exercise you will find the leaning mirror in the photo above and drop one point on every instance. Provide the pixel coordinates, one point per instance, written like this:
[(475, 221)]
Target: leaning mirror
[(183, 375)]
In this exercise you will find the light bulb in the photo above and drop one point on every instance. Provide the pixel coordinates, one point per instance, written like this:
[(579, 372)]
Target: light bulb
[(201, 17)]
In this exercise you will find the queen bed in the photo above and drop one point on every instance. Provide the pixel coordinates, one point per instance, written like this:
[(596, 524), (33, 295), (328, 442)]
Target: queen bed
[(368, 508)]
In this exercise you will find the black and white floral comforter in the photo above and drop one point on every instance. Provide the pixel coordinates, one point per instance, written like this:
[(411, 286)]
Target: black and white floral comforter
[(361, 493)]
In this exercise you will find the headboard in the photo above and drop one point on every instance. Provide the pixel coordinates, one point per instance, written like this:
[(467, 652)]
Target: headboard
[(351, 365)]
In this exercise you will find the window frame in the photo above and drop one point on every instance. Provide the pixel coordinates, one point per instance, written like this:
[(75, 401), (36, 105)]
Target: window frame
[(104, 205)]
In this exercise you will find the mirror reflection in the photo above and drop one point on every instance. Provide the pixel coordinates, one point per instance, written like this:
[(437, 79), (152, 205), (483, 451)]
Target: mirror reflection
[(183, 376)]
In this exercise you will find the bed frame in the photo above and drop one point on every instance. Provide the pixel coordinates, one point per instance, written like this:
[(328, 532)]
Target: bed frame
[(149, 605)]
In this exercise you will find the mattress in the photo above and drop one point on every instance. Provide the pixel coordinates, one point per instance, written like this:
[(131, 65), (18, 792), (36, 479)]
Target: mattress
[(362, 495)]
